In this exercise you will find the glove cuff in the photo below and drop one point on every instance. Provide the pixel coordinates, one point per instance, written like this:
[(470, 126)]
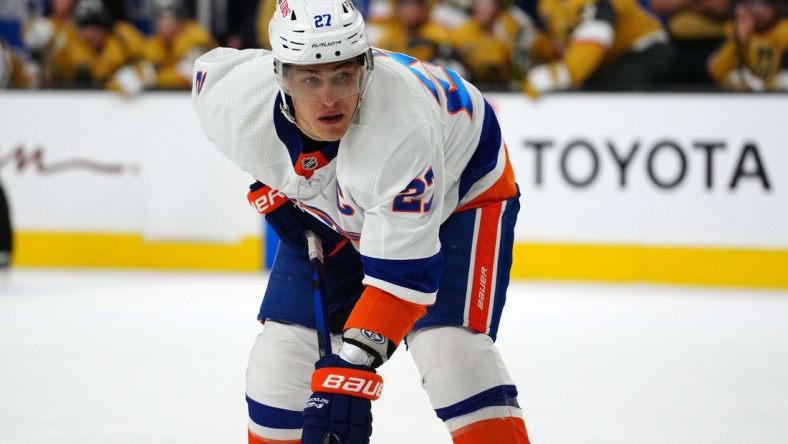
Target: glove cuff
[(265, 199), (347, 381)]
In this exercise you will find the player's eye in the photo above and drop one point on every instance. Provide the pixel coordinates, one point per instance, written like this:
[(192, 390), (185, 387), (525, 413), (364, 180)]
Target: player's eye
[(311, 81), (342, 78)]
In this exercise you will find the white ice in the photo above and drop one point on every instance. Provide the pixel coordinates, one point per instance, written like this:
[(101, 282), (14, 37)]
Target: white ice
[(138, 357)]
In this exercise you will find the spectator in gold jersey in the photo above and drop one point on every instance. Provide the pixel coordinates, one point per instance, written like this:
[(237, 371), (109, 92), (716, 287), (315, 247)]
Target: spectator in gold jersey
[(109, 54), (604, 45), (176, 43), (54, 41), (412, 32), (14, 72), (696, 29), (6, 64), (755, 55), (489, 41)]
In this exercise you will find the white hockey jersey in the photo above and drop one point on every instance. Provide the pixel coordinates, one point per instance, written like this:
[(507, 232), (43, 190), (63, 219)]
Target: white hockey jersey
[(423, 144)]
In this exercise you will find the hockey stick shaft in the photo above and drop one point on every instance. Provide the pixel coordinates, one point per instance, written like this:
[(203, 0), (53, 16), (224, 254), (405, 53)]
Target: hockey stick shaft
[(315, 250)]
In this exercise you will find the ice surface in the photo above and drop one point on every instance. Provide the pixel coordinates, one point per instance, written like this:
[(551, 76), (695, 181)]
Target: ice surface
[(139, 357)]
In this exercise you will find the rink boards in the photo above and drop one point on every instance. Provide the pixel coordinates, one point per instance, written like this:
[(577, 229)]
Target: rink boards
[(687, 188)]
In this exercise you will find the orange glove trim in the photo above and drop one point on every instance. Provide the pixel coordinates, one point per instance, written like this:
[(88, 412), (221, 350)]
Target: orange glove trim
[(266, 199), (385, 314), (348, 381)]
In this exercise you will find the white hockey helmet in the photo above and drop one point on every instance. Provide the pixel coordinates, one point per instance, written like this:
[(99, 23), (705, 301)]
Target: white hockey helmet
[(316, 32)]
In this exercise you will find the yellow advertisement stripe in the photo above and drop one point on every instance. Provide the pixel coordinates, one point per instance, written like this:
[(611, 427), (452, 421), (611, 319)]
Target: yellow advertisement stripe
[(45, 249), (617, 263), (677, 265)]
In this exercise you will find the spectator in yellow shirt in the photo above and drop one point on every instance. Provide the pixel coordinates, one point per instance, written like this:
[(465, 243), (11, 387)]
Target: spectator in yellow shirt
[(490, 41), (13, 71), (604, 44), (412, 32), (56, 44), (754, 56), (697, 29), (176, 43), (109, 53)]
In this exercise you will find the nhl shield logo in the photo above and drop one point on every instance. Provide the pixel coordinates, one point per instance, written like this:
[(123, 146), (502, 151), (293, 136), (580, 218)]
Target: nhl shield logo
[(309, 163)]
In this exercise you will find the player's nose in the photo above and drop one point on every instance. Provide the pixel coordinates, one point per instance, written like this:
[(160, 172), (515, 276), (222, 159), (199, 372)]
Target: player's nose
[(329, 94)]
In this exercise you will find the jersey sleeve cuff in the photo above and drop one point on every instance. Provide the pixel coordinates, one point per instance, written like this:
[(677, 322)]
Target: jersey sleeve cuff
[(384, 313), (404, 293)]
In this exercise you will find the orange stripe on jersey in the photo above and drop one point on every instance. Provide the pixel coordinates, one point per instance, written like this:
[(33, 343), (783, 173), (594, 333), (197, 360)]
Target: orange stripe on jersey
[(254, 439), (509, 430), (307, 163), (484, 267), (504, 188), (385, 314)]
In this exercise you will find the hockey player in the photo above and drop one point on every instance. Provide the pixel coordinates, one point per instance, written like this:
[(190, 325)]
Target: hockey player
[(407, 180)]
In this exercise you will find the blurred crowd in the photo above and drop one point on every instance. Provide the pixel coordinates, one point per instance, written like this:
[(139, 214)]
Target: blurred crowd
[(533, 46)]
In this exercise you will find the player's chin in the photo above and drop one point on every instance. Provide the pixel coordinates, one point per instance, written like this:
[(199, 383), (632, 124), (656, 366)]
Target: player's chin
[(333, 130)]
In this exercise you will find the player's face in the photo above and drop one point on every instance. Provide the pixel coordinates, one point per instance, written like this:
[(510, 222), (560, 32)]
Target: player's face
[(325, 97)]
